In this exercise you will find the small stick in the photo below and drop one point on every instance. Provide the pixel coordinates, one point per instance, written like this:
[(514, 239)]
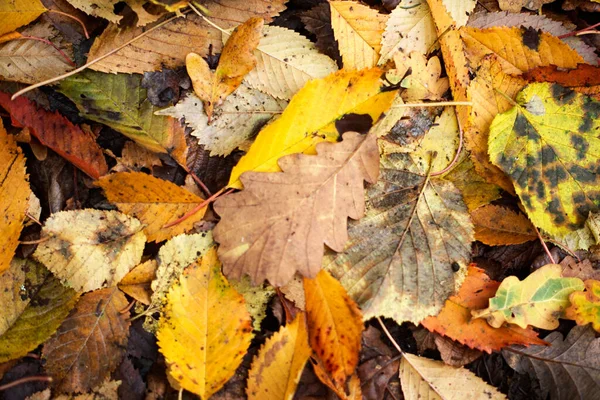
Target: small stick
[(126, 309), (434, 104), (25, 380), (544, 244), (577, 33), (85, 32), (389, 335), (208, 21), (34, 219), (40, 240), (198, 207)]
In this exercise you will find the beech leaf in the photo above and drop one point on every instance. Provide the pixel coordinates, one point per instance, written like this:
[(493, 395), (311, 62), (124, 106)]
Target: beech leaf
[(539, 300), (203, 345), (303, 207), (237, 59)]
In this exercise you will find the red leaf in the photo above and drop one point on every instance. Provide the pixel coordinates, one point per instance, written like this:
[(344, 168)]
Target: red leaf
[(58, 133)]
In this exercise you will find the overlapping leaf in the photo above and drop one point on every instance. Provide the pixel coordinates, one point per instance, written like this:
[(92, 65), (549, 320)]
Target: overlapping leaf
[(539, 300), (202, 344), (16, 13), (584, 79), (585, 306), (497, 225), (278, 224), (548, 145), (153, 201)]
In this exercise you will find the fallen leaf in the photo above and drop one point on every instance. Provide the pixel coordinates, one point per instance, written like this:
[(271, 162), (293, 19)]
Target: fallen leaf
[(153, 201), (454, 353), (14, 194), (317, 21), (583, 270), (476, 192), (90, 342), (276, 369), (489, 92), (137, 283), (516, 5), (257, 298), (455, 322), (237, 59), (584, 79), (334, 326), (539, 300), (120, 102), (568, 368), (233, 125), (310, 118), (106, 390), (98, 8), (135, 157), (547, 144), (460, 10), (38, 306), (358, 30), (286, 61), (409, 253), (90, 249), (518, 49), (409, 28), (429, 379), (585, 306), (497, 225), (424, 82), (203, 345), (31, 61), (57, 132), (16, 13), (303, 207)]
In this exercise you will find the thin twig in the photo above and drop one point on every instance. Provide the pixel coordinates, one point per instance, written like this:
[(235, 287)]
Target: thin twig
[(199, 207), (34, 219), (576, 33), (197, 180), (389, 335), (208, 21), (85, 66), (544, 244), (49, 43), (434, 104), (126, 309), (456, 156), (40, 240), (25, 380), (85, 32)]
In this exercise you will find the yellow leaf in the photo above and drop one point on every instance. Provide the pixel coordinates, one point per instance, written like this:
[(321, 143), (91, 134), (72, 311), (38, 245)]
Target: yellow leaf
[(155, 202), (98, 8), (539, 300), (585, 306), (424, 82), (90, 249), (276, 369), (14, 193), (310, 118), (460, 10), (334, 326), (137, 282), (548, 145), (476, 192), (423, 378), (16, 13), (202, 344), (518, 49), (358, 30), (237, 59), (256, 296)]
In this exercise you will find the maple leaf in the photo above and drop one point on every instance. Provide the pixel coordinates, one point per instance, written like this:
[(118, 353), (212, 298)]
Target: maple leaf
[(334, 326), (90, 342), (14, 193), (568, 368), (303, 207), (155, 202), (496, 225), (311, 115), (49, 128), (539, 300), (16, 13), (358, 30), (547, 144), (235, 62), (276, 369), (203, 345), (585, 306), (455, 322), (90, 249), (425, 378)]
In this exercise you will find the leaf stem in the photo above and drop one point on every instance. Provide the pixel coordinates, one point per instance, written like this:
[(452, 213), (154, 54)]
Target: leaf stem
[(434, 104), (579, 32), (208, 21), (544, 244), (456, 156), (49, 43), (389, 335), (25, 380), (85, 32), (199, 207), (90, 63)]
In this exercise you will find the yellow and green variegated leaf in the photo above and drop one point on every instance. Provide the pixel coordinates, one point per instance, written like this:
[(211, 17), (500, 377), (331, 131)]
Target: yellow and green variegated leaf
[(548, 144), (585, 306), (539, 300)]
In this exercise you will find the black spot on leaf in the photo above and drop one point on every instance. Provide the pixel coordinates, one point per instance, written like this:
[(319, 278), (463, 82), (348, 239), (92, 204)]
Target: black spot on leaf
[(360, 123), (531, 38)]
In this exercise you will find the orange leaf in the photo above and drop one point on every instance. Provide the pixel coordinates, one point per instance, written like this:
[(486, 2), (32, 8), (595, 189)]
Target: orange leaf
[(497, 225), (155, 202), (334, 325), (455, 320), (14, 192), (585, 306), (90, 343), (583, 79), (58, 133)]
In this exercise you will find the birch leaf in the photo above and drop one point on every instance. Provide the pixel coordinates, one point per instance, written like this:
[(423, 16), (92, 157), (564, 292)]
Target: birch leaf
[(278, 224), (91, 249), (203, 345)]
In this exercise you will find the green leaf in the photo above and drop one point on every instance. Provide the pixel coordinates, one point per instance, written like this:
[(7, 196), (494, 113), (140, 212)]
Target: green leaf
[(539, 300), (48, 302), (120, 101), (548, 144)]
